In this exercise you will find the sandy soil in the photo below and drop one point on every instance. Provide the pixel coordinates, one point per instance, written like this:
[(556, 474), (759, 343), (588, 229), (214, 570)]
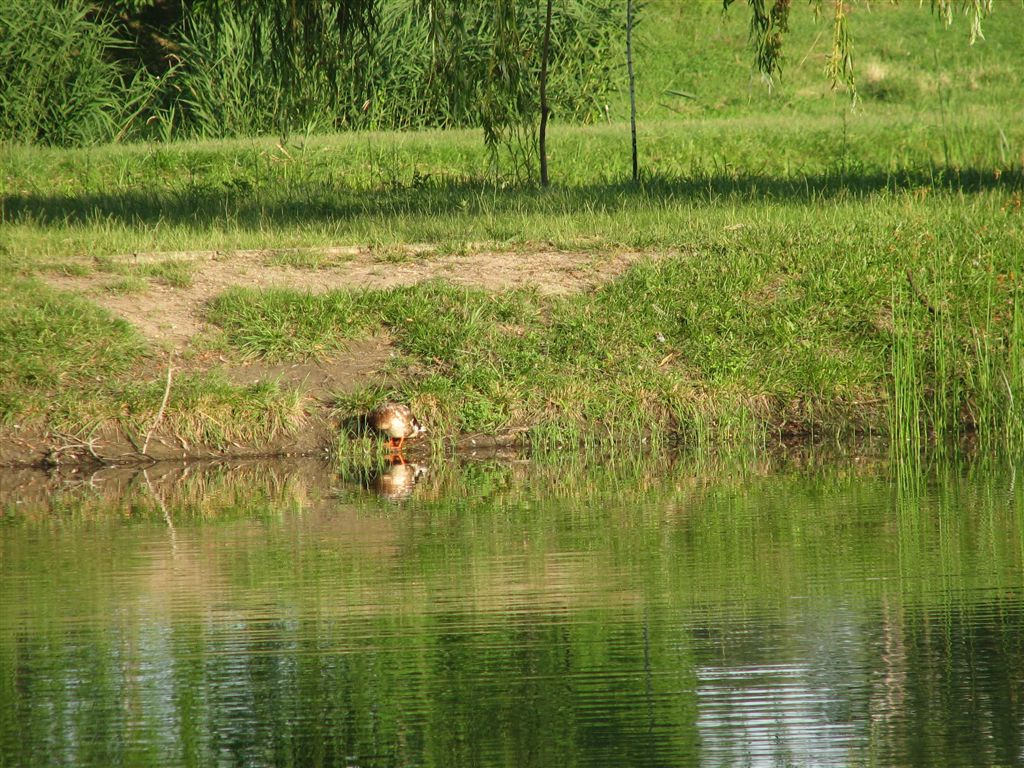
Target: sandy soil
[(174, 316)]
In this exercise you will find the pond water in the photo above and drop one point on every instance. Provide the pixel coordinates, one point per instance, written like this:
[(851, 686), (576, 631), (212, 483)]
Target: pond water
[(507, 613)]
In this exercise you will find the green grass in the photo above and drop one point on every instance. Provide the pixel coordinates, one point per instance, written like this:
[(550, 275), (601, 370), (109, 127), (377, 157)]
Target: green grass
[(778, 231), (126, 285), (771, 339), (280, 324), (208, 410), (52, 342), (70, 366), (67, 268), (307, 259), (176, 273), (904, 57), (733, 170)]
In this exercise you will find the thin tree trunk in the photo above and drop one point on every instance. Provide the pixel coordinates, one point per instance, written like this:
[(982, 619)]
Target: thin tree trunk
[(544, 97), (632, 86)]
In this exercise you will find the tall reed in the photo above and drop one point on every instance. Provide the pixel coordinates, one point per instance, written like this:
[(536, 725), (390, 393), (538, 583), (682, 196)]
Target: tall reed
[(1014, 380), (63, 79), (953, 377), (69, 75)]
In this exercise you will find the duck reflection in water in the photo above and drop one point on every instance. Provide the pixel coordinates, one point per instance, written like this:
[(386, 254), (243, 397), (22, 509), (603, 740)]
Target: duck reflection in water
[(397, 482)]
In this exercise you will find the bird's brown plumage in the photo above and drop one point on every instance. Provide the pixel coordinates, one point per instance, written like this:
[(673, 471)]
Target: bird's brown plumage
[(396, 421)]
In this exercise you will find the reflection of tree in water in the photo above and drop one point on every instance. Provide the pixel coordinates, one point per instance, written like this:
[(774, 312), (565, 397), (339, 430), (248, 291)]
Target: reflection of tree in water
[(963, 680), (905, 690)]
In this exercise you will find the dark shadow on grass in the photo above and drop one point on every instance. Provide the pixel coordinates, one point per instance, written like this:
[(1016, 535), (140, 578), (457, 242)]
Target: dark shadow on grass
[(355, 426), (324, 202)]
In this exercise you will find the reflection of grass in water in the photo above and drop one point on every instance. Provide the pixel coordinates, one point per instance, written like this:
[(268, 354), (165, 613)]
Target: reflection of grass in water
[(198, 492), (563, 567), (718, 529), (570, 571)]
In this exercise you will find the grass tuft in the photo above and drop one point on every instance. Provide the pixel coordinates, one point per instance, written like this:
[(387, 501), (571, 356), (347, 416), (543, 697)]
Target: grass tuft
[(126, 285), (52, 343), (176, 273), (208, 410)]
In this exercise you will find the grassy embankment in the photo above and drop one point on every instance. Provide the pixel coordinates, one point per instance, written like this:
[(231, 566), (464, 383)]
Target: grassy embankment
[(808, 269)]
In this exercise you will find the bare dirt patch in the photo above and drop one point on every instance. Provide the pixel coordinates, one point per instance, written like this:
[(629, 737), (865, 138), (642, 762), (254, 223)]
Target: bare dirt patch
[(173, 317)]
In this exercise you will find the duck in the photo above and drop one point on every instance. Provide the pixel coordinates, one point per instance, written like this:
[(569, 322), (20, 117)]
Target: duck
[(397, 422)]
